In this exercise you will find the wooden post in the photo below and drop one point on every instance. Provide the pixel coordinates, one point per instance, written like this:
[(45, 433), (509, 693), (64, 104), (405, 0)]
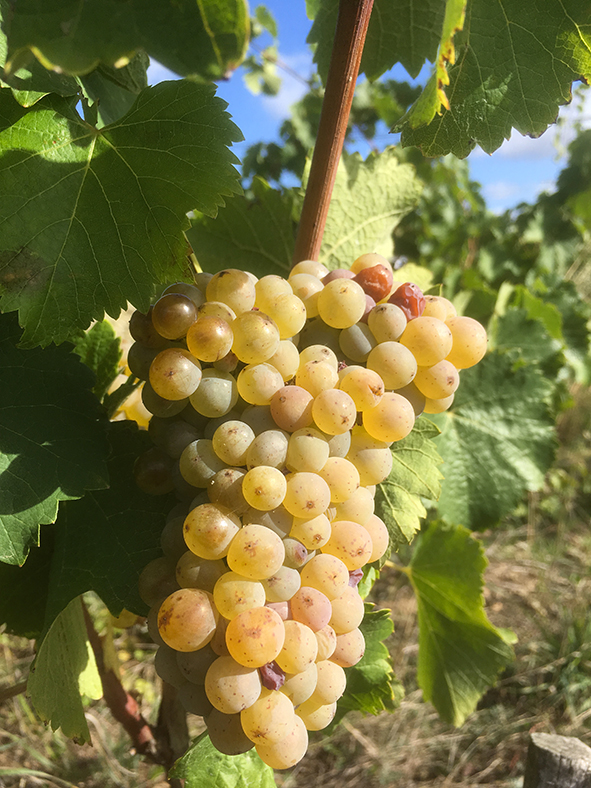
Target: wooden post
[(557, 762)]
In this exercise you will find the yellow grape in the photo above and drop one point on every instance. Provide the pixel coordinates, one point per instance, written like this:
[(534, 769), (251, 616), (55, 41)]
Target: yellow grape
[(255, 637), (187, 619)]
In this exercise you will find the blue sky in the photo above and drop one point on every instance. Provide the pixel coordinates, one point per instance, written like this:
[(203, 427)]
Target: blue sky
[(517, 172)]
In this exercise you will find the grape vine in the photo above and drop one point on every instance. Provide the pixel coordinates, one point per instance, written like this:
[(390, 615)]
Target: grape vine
[(239, 477)]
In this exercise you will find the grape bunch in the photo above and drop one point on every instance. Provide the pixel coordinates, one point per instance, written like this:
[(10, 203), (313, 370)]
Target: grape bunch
[(275, 402)]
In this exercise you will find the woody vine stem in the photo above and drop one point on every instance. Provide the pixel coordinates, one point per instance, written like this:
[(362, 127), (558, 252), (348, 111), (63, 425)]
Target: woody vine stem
[(351, 29)]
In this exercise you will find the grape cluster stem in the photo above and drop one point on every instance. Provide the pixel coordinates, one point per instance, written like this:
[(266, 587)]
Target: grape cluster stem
[(352, 24)]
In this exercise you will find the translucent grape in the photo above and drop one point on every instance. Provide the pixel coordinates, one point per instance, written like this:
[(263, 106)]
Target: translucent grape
[(350, 649), (234, 288), (217, 394), (209, 530), (386, 322), (230, 686), (316, 716), (291, 408), (255, 637), (307, 495), (380, 537), (438, 405), (286, 359), (199, 463), (338, 273), (364, 386), (269, 719), (330, 684), (350, 542), (359, 507), (139, 360), (209, 338), (300, 648), (339, 445), (307, 287), (311, 607), (414, 396), (342, 477), (259, 418), (296, 554), (438, 381), (231, 441), (307, 450), (157, 580), (319, 353), (264, 487), (195, 572), (334, 411), (394, 363), (391, 420), (142, 330), (439, 307), (166, 666), (327, 642), (256, 337), (217, 309), (195, 664), (226, 734), (347, 611), (257, 383), (288, 751), (256, 552), (429, 340), (225, 489), (281, 586), (299, 686), (268, 448), (357, 342), (233, 594), (268, 288), (311, 533), (326, 573), (172, 542), (341, 303), (173, 314), (312, 267), (187, 619), (172, 435), (469, 342), (278, 520), (316, 376), (186, 289), (316, 332), (158, 406), (194, 700), (289, 313)]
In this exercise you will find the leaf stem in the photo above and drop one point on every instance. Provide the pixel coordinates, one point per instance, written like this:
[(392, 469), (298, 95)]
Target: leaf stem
[(352, 23)]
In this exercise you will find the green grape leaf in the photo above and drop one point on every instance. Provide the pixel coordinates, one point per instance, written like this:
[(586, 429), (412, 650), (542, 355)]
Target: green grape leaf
[(515, 329), (203, 765), (207, 38), (371, 684), (400, 31), (100, 349), (369, 199), (460, 652), (266, 20), (30, 81), (24, 589), (433, 96), (415, 475), (538, 309), (255, 235), (496, 442), (103, 542), (92, 217), (63, 670), (504, 54), (53, 443), (114, 90)]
